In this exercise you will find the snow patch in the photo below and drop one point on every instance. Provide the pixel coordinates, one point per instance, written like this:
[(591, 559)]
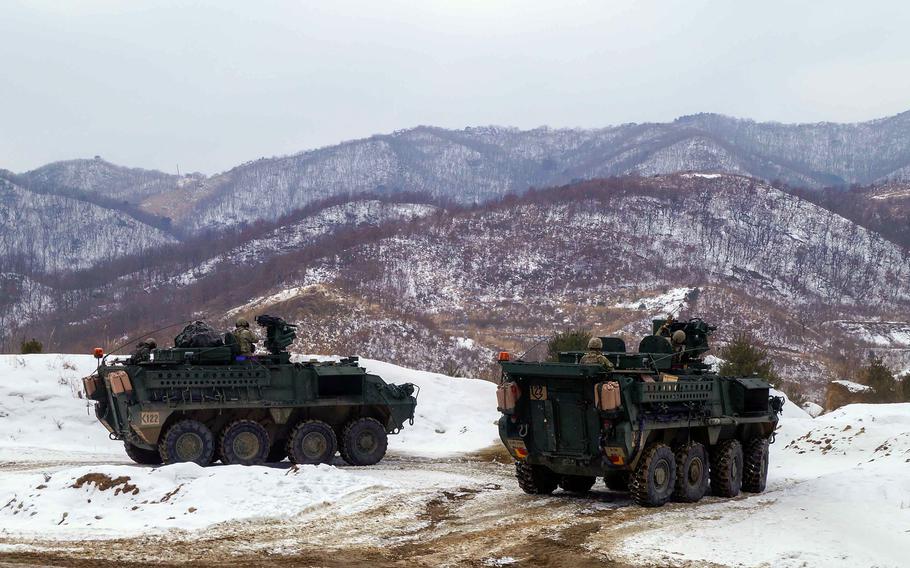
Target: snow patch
[(852, 386)]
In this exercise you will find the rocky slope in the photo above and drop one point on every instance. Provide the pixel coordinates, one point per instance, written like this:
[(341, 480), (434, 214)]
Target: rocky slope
[(445, 289)]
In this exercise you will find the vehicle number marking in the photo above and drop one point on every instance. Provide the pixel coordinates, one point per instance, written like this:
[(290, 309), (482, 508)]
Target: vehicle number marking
[(538, 392), (150, 418)]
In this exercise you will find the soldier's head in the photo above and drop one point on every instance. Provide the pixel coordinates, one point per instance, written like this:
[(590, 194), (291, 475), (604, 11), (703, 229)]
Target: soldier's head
[(679, 337), (595, 344), (151, 343), (242, 323)]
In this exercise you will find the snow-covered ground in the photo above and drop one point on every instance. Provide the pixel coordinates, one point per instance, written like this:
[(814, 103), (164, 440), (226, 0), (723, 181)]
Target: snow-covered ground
[(47, 431), (838, 493)]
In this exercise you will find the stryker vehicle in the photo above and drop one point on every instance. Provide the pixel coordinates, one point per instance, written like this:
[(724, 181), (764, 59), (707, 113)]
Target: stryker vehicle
[(660, 424), (208, 403)]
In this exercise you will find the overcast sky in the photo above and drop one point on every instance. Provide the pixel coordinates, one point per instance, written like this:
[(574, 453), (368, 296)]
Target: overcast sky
[(211, 84)]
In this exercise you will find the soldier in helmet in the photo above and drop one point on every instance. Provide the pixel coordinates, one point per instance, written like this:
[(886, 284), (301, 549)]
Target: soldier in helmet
[(246, 339), (595, 355), (678, 342), (144, 349)]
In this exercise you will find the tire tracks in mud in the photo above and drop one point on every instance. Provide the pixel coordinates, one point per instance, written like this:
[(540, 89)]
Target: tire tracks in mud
[(485, 522)]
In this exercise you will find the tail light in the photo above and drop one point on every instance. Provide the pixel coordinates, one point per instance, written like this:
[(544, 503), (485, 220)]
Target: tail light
[(99, 353), (504, 356)]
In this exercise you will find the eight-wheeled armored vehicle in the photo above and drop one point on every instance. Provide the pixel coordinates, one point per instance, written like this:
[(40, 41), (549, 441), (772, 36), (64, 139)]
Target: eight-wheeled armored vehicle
[(659, 423), (209, 402)]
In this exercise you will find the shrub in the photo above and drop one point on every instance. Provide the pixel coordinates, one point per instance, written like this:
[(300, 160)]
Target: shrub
[(31, 346), (568, 340), (878, 376)]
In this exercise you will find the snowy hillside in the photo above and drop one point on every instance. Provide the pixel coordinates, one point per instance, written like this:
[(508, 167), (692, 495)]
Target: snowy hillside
[(48, 233), (479, 164), (99, 178), (610, 256), (297, 235)]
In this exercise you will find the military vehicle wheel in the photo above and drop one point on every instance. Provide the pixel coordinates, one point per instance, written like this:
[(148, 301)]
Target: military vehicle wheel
[(577, 483), (187, 441), (755, 465), (691, 473), (312, 442), (141, 455), (535, 479), (617, 481), (364, 442), (727, 468), (278, 452), (653, 481), (244, 442)]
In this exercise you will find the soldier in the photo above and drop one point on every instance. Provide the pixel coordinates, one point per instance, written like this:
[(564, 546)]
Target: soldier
[(246, 339), (678, 343), (595, 355), (144, 349)]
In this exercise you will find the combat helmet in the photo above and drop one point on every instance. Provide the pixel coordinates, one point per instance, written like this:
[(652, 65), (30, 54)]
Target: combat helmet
[(595, 344), (241, 322), (679, 337)]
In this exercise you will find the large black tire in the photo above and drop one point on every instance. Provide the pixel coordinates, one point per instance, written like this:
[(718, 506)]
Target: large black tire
[(141, 455), (653, 481), (727, 468), (691, 473), (364, 442), (187, 441), (617, 481), (244, 442), (278, 452), (312, 442), (577, 483), (535, 479), (755, 465)]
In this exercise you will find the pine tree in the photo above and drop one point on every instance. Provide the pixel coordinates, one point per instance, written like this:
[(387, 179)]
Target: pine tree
[(743, 357), (568, 340), (878, 376)]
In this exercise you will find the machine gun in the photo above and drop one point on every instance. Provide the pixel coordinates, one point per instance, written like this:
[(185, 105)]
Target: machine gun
[(279, 333)]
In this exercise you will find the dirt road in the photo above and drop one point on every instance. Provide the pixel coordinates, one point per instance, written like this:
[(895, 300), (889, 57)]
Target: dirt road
[(476, 517)]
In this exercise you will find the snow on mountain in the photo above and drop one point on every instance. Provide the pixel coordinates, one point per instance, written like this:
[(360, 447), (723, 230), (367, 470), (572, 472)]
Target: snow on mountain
[(478, 164), (354, 214), (98, 177), (49, 233), (733, 250)]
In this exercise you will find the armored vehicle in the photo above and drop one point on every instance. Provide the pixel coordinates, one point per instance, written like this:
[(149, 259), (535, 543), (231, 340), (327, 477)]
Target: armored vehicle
[(658, 423), (209, 402)]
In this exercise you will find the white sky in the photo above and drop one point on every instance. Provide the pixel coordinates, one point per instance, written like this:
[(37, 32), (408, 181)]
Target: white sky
[(211, 84)]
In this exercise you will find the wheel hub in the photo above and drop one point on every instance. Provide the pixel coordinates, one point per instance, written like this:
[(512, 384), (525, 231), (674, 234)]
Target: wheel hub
[(314, 445), (366, 442), (246, 445), (188, 446)]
